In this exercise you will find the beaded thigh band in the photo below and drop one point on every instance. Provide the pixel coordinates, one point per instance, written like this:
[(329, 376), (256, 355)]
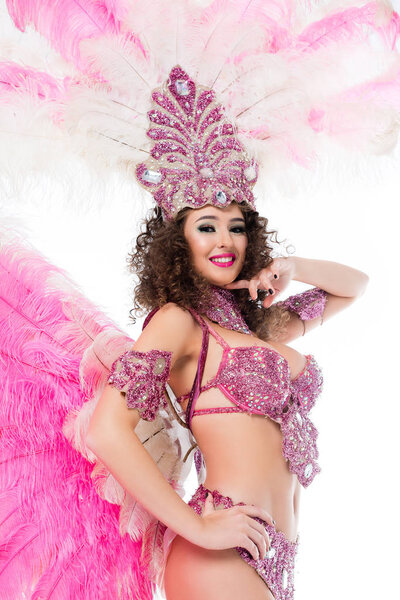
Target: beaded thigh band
[(277, 569)]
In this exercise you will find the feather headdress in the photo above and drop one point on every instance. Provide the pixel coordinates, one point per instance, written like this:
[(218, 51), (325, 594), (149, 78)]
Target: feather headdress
[(294, 77)]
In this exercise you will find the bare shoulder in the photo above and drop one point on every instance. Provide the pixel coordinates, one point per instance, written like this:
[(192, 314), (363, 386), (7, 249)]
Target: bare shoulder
[(171, 328)]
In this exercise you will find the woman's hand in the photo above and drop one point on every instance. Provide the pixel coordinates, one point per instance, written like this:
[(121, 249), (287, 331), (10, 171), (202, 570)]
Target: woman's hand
[(230, 527), (274, 278)]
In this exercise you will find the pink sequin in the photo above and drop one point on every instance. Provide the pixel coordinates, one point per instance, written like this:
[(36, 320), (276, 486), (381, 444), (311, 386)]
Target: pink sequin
[(142, 377), (225, 310), (308, 304), (277, 569)]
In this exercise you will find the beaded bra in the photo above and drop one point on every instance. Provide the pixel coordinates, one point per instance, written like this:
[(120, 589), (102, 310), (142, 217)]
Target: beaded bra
[(257, 380)]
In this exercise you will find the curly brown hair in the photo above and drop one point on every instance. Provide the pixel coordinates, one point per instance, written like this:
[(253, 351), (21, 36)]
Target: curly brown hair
[(162, 263)]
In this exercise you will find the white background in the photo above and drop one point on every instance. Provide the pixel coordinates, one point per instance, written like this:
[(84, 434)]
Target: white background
[(349, 524)]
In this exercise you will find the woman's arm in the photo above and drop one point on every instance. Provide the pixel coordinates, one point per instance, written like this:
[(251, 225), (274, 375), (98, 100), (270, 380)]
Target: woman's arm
[(343, 285), (335, 278), (112, 438)]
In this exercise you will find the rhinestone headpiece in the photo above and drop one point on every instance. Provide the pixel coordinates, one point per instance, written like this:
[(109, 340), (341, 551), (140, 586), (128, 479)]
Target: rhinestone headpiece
[(196, 158)]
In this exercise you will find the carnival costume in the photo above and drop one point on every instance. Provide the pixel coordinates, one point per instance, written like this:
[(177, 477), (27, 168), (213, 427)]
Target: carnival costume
[(233, 96)]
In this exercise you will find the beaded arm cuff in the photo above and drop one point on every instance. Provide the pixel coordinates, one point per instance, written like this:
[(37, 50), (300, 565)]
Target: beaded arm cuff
[(142, 377), (307, 305)]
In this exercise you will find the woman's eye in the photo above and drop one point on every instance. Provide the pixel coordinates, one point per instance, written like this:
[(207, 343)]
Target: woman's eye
[(208, 228)]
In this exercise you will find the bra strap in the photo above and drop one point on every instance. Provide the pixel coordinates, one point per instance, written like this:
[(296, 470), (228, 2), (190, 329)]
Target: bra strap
[(195, 391)]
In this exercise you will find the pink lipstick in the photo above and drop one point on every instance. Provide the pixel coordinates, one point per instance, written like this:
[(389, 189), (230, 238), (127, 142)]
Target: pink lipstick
[(223, 260)]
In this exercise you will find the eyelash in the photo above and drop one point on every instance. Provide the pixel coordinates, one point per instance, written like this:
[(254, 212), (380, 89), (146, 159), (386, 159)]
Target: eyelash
[(204, 227)]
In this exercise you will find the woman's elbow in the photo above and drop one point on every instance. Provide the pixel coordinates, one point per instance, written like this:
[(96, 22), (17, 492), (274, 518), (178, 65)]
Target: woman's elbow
[(363, 284)]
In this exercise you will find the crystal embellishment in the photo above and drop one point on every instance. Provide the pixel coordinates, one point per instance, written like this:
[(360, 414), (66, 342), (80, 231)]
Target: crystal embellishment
[(206, 172), (270, 553), (308, 470), (221, 197), (152, 176), (182, 87), (284, 579), (250, 173)]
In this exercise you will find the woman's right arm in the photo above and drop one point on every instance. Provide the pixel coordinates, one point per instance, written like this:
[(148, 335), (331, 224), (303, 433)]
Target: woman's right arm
[(112, 438)]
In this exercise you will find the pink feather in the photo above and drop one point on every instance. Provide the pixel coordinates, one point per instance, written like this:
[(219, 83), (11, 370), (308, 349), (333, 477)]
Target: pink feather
[(352, 23), (58, 538), (15, 78), (65, 23)]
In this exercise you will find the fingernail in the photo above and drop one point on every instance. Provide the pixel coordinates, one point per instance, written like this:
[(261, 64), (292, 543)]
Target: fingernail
[(275, 276), (271, 291)]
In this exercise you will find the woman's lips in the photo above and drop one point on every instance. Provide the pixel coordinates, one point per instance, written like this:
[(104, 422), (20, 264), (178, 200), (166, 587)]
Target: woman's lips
[(223, 260)]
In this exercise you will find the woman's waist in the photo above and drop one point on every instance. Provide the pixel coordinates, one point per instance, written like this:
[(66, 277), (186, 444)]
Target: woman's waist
[(280, 501)]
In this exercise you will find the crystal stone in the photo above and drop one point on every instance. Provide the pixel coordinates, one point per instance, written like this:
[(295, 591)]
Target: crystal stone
[(221, 197), (182, 87), (250, 173), (284, 579), (152, 176), (206, 172), (270, 553), (308, 470)]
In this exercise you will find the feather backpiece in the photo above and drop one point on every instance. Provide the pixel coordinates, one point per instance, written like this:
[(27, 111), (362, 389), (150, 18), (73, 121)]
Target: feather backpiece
[(67, 527), (298, 78)]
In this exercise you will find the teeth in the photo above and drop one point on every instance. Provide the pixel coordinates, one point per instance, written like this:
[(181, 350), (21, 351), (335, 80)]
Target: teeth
[(223, 260)]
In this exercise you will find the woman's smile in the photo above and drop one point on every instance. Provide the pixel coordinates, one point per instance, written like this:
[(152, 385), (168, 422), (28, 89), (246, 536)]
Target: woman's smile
[(223, 260)]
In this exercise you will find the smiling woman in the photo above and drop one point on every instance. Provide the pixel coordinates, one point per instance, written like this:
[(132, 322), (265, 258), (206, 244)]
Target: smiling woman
[(172, 260), (159, 91)]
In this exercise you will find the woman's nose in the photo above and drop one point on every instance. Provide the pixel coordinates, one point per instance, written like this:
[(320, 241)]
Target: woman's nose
[(224, 238)]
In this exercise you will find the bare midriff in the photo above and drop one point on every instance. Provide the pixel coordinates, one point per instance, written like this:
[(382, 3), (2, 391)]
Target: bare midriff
[(243, 458)]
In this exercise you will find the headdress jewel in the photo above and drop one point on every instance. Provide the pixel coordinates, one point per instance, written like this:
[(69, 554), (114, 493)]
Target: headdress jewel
[(196, 158)]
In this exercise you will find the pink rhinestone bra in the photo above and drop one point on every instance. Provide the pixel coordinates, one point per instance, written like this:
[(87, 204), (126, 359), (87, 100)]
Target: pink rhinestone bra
[(257, 380)]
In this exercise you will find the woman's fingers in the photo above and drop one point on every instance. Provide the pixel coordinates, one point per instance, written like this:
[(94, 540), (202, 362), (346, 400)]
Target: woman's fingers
[(255, 511)]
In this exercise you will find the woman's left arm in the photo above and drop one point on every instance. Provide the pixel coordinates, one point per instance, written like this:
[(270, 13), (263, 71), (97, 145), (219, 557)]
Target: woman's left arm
[(342, 284), (334, 278)]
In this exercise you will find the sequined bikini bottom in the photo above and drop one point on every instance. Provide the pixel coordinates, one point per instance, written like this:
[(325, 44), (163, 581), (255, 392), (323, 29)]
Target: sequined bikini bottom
[(277, 569)]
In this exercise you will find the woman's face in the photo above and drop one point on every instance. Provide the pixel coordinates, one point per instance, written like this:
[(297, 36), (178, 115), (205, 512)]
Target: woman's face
[(217, 239)]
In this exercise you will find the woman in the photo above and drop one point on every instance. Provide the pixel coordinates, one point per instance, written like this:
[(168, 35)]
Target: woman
[(220, 249)]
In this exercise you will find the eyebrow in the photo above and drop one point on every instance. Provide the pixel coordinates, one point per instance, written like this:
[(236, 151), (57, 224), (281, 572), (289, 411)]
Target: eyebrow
[(216, 218)]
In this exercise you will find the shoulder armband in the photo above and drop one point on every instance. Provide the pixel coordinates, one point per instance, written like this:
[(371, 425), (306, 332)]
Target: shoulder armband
[(142, 377), (307, 305)]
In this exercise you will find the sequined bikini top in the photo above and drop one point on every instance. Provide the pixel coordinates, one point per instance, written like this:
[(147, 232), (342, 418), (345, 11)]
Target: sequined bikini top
[(257, 380)]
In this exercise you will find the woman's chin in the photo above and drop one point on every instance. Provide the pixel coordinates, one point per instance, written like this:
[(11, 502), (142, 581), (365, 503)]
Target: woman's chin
[(222, 280)]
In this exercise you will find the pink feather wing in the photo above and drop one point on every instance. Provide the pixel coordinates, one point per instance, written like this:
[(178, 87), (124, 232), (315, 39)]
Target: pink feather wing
[(58, 538)]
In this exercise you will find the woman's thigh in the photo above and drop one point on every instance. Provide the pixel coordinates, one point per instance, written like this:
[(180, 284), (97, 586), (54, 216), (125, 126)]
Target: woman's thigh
[(196, 573)]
